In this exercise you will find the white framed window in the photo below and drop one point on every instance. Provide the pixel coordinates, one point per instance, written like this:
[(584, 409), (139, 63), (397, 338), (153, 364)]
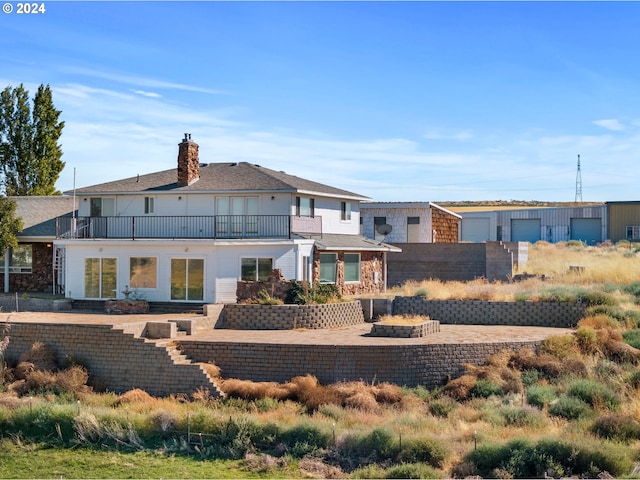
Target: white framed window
[(102, 207), (100, 277), (352, 267), (633, 232), (21, 260), (255, 269), (328, 267), (149, 205), (143, 272), (345, 211)]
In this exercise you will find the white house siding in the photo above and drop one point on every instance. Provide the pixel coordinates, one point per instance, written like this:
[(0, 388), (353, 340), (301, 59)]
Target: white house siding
[(221, 264), (329, 210)]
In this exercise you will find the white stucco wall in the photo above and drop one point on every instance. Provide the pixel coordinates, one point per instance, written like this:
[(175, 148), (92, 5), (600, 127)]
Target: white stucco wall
[(397, 218)]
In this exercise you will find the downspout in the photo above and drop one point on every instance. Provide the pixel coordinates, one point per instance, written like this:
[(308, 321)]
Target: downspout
[(7, 259)]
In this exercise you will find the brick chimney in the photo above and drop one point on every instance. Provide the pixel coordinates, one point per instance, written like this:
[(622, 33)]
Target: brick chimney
[(188, 162)]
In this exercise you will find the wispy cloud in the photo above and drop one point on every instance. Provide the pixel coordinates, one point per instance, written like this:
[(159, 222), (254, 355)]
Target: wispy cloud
[(446, 135), (610, 124), (147, 94), (140, 81)]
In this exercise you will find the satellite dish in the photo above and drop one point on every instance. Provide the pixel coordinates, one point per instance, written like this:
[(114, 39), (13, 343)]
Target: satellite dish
[(384, 229)]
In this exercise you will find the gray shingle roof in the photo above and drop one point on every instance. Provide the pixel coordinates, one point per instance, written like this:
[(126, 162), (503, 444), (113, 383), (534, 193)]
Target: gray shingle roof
[(220, 177), (39, 214), (336, 241)]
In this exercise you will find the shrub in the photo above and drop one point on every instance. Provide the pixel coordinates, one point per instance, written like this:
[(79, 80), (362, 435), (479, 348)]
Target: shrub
[(376, 446), (305, 439), (302, 293), (421, 292), (423, 450), (616, 427), (634, 379), (485, 388), (521, 416), (597, 297), (541, 395), (621, 315), (412, 470), (442, 407), (561, 346), (587, 340), (41, 356), (594, 393), (571, 408), (632, 337), (530, 377)]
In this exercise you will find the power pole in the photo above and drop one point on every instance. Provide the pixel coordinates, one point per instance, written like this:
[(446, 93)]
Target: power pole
[(578, 183)]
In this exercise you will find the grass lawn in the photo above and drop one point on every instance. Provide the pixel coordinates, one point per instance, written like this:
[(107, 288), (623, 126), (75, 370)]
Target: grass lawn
[(42, 461)]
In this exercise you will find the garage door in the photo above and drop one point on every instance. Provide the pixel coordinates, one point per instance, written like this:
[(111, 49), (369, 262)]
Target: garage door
[(588, 230), (525, 230), (474, 230)]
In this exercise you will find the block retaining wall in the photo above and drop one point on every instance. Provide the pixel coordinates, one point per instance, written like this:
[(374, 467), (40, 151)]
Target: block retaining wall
[(411, 365), (118, 359), (405, 331), (287, 317), (478, 312), (8, 304)]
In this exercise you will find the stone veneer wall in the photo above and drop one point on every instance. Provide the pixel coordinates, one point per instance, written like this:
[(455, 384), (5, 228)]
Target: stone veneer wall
[(118, 359), (41, 277), (371, 273), (412, 365), (287, 317), (478, 312)]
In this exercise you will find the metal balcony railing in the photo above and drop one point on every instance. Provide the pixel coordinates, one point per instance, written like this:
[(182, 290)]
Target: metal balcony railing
[(176, 227)]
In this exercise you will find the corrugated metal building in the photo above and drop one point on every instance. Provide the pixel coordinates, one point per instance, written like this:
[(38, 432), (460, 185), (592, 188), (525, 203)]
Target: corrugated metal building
[(558, 224), (624, 221)]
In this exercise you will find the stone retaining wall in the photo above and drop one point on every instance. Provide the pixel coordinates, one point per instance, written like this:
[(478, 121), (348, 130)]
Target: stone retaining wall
[(8, 304), (411, 365), (478, 312), (118, 359), (287, 317)]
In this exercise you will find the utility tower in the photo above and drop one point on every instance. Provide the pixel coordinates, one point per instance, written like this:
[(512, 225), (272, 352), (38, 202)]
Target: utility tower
[(578, 183)]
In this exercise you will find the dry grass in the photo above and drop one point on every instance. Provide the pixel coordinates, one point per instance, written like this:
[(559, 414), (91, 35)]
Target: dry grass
[(403, 319), (550, 263), (41, 356)]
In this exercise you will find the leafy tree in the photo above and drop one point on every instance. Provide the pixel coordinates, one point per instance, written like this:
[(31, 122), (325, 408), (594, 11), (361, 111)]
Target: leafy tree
[(10, 226), (30, 156)]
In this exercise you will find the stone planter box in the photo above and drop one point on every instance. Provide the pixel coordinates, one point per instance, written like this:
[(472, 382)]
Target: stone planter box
[(126, 306), (423, 329)]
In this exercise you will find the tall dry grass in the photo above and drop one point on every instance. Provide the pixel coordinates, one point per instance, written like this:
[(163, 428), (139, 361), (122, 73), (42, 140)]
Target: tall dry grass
[(550, 264)]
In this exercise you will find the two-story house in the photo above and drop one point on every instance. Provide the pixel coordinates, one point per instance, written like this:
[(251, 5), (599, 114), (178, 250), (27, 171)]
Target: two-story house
[(191, 233)]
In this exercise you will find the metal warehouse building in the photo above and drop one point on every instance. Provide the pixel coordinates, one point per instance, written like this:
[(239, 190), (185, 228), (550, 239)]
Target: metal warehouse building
[(624, 221), (587, 223)]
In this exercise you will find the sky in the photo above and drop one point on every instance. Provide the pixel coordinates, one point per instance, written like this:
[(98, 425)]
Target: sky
[(396, 101)]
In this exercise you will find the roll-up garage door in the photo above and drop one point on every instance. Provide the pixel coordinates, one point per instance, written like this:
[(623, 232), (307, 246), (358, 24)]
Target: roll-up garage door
[(525, 230), (588, 230)]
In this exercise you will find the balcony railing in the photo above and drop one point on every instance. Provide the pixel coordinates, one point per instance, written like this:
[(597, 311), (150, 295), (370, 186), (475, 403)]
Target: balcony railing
[(182, 227)]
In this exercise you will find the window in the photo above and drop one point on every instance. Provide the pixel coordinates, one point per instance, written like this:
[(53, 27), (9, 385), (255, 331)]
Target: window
[(102, 207), (149, 205), (143, 272), (238, 215), (187, 279), (351, 267), (305, 207), (345, 211), (255, 269), (633, 232), (328, 267), (21, 259), (100, 278)]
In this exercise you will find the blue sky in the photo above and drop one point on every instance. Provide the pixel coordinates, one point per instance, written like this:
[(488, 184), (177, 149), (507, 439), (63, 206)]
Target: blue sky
[(398, 101)]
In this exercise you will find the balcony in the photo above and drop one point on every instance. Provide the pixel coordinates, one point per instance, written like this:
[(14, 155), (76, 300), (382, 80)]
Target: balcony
[(185, 227)]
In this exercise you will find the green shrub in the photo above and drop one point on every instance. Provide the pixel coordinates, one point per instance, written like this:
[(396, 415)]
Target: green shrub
[(530, 377), (521, 416), (301, 293), (305, 439), (485, 388), (540, 395), (412, 470), (560, 346), (421, 292), (442, 407), (587, 340), (633, 289), (617, 427), (633, 379), (523, 296), (265, 298), (423, 450), (520, 458), (376, 446), (632, 337), (570, 408), (594, 393), (598, 297), (619, 315)]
